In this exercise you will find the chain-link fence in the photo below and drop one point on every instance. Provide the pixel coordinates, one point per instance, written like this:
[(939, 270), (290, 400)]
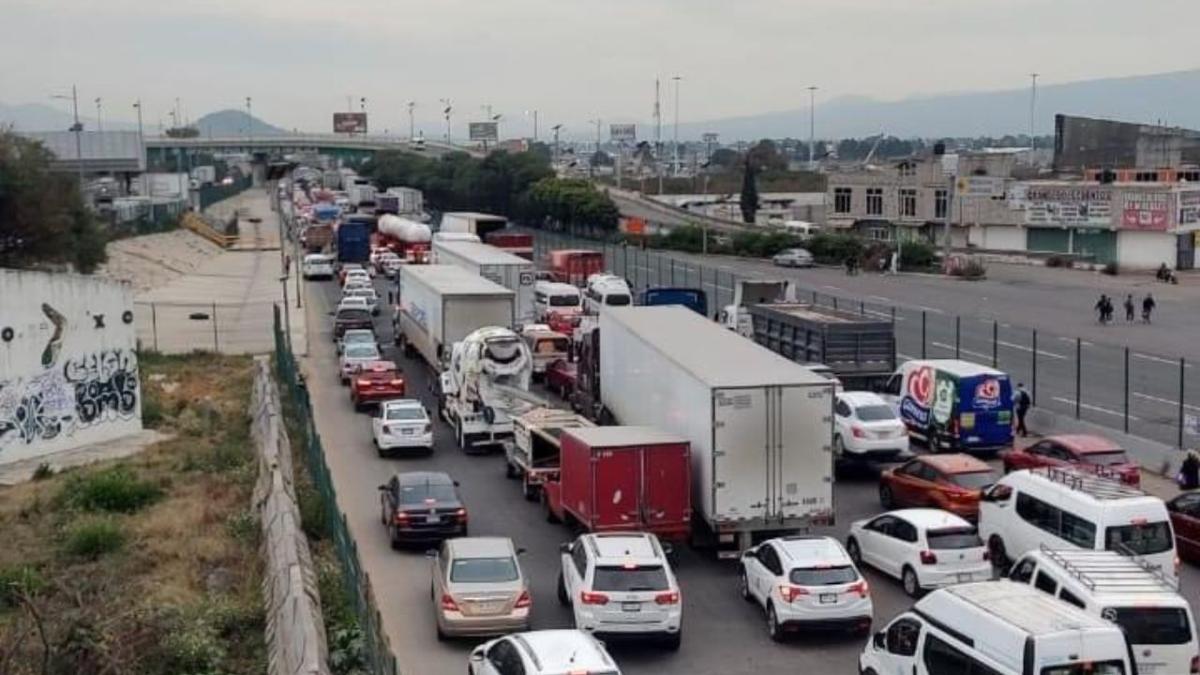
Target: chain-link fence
[(378, 651), (179, 328), (1120, 388)]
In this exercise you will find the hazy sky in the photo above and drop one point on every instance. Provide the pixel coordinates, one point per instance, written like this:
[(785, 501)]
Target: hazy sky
[(573, 60)]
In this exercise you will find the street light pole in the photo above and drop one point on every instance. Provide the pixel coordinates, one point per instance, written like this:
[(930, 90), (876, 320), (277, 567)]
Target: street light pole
[(141, 137), (362, 106), (77, 128), (1032, 109), (446, 113), (99, 124), (411, 126), (534, 112), (556, 128), (812, 127), (249, 121), (675, 143)]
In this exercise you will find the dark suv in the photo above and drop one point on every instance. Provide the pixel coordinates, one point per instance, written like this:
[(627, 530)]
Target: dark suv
[(421, 506), (350, 317)]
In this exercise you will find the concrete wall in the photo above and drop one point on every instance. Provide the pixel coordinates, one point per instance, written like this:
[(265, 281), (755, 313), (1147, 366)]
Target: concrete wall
[(68, 369), (1145, 250)]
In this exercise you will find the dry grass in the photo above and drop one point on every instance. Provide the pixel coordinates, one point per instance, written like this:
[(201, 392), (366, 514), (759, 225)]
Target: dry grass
[(182, 594)]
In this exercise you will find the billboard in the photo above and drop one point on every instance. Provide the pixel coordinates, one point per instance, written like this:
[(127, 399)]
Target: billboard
[(1148, 211), (981, 186), (483, 131), (1064, 205), (350, 123), (1189, 208), (622, 132)]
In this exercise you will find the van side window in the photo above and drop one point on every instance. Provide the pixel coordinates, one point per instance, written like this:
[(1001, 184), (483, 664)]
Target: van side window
[(1068, 596), (1057, 522), (893, 385), (942, 658), (1045, 583), (1023, 571), (903, 635)]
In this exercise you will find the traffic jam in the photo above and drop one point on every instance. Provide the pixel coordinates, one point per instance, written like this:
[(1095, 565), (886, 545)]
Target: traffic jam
[(644, 422)]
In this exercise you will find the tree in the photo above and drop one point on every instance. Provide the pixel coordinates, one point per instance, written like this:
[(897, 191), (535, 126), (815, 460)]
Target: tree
[(43, 219), (725, 158), (765, 156), (749, 192)]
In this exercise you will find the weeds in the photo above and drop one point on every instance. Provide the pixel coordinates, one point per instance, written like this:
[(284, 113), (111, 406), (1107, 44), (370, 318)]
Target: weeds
[(115, 490), (17, 581), (94, 537), (43, 471)]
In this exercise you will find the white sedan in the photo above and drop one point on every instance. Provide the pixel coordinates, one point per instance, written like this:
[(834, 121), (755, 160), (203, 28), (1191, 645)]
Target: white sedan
[(367, 294), (353, 357), (923, 548), (353, 302), (866, 427), (401, 424)]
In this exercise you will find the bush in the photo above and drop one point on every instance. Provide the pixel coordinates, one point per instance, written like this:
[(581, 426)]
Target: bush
[(834, 249), (92, 538), (1111, 269), (152, 407), (194, 648), (1060, 261), (43, 471), (15, 581), (917, 255), (115, 490)]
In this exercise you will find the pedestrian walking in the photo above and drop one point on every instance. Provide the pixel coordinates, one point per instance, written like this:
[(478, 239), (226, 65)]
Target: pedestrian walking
[(1189, 472), (1148, 305), (895, 262), (1129, 308), (1103, 306), (1022, 401)]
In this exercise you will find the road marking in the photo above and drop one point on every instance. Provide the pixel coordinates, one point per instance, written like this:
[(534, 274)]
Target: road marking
[(885, 315), (947, 347), (935, 310), (906, 357), (1158, 399), (1158, 359), (1085, 343), (835, 288), (1023, 348), (1088, 406), (880, 298)]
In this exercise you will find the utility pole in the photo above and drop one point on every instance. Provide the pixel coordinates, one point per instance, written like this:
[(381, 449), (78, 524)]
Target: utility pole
[(249, 121), (362, 106), (77, 128), (556, 128), (658, 136), (675, 143), (99, 124), (812, 127), (1032, 110), (534, 112), (411, 126), (141, 138), (591, 161), (446, 113)]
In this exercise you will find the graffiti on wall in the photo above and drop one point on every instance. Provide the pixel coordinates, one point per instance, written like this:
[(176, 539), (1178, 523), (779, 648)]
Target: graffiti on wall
[(68, 394)]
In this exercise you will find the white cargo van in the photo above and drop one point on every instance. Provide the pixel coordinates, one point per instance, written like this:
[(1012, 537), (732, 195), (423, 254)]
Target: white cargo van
[(996, 628), (606, 290), (1064, 508), (548, 295), (1127, 591)]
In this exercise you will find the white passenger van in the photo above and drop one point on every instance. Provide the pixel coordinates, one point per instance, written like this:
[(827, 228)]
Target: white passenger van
[(1141, 600), (996, 628), (548, 295), (606, 290), (1064, 508)]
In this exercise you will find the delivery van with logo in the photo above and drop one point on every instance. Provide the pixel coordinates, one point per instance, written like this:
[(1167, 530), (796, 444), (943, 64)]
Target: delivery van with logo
[(953, 405)]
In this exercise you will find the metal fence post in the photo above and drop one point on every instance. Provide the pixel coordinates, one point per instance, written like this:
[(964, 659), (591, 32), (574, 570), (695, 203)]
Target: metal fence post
[(216, 343), (834, 302), (893, 314), (1034, 373), (862, 308), (1078, 376), (922, 333), (814, 294), (957, 335), (1182, 373), (1126, 389), (658, 281), (154, 324), (995, 342), (672, 271)]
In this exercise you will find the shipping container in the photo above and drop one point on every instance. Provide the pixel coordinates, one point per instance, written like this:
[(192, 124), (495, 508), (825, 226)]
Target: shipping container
[(760, 426), (439, 305), (859, 349), (489, 262), (478, 224), (516, 243), (574, 266), (353, 242), (623, 478)]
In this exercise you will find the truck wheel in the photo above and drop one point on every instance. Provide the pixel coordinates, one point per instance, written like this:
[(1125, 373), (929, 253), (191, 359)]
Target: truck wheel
[(408, 350), (999, 554), (563, 598), (550, 517), (510, 471), (886, 499), (530, 491)]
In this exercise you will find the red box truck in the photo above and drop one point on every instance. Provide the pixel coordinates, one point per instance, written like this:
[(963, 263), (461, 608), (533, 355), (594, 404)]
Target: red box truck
[(623, 478)]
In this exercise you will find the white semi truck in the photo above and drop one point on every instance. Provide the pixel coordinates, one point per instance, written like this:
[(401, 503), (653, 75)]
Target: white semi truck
[(760, 426), (439, 305), (510, 271)]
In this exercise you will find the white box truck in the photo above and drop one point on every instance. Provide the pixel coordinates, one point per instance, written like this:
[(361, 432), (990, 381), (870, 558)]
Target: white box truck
[(510, 271), (438, 305), (478, 224), (761, 427)]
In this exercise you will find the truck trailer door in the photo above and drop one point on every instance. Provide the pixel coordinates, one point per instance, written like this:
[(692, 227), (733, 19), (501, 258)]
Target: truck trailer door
[(666, 489), (803, 485), (616, 483), (740, 454)]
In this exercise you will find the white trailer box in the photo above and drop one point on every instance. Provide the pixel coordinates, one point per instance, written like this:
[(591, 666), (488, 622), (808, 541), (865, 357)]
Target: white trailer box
[(205, 174), (510, 271), (165, 185), (442, 304), (760, 426), (478, 224)]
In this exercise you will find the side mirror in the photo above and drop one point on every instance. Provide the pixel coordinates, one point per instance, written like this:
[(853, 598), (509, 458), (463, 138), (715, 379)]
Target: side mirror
[(377, 412), (455, 483), (564, 547), (477, 656), (521, 551), (332, 313), (432, 554), (383, 487), (880, 640)]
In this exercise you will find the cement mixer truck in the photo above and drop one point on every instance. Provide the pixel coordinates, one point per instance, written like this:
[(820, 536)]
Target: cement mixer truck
[(486, 385), (407, 238)]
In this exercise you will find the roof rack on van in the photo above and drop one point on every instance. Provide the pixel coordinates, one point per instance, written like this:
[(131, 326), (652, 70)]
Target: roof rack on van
[(1104, 575), (1096, 486)]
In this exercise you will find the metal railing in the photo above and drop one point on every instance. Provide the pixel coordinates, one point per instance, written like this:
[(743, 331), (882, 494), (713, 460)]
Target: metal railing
[(1120, 388), (378, 652), (181, 327)]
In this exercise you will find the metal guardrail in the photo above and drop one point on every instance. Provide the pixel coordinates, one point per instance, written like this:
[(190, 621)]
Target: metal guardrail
[(197, 224)]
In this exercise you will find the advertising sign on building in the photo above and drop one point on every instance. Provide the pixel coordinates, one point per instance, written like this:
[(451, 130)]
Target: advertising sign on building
[(1189, 208), (483, 131), (350, 123), (983, 186), (1146, 211), (622, 132), (1063, 205)]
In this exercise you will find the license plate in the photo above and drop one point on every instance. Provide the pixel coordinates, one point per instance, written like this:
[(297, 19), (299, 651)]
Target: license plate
[(828, 598), (963, 578), (432, 520), (406, 432), (489, 607), (631, 606)]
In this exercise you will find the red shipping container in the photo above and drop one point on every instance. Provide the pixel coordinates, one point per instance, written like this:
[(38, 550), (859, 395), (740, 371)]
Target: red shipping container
[(624, 478), (574, 266)]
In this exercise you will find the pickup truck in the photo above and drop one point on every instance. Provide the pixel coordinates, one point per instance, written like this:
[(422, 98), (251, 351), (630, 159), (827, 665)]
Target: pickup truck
[(533, 454)]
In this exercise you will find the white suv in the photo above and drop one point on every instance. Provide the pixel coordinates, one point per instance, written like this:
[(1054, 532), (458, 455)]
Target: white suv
[(620, 583), (542, 652), (806, 581)]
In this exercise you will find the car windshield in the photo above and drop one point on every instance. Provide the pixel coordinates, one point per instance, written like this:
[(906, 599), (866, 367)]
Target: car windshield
[(630, 579), (823, 576), (1087, 668), (349, 314), (975, 480), (564, 301), (1140, 539), (355, 337), (362, 351), (875, 413), (1105, 458), (616, 300), (483, 570), (552, 345), (1151, 625), (405, 413), (953, 538), (417, 493)]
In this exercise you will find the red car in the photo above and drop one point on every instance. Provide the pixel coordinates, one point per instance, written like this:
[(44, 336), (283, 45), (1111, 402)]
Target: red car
[(1080, 451), (1185, 520), (564, 322), (560, 377), (376, 381), (948, 482)]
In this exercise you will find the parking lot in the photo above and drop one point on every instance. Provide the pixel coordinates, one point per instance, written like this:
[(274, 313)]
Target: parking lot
[(722, 634)]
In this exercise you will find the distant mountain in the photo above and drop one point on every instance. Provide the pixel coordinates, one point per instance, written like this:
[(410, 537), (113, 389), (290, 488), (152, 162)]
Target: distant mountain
[(1173, 98), (233, 123), (41, 117)]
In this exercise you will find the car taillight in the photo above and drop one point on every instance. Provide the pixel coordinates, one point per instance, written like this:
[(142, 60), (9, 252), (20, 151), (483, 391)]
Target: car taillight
[(401, 517), (396, 383), (590, 598), (1195, 665), (858, 432), (861, 587), (524, 600), (363, 383), (928, 558), (448, 603), (790, 593), (461, 514), (668, 598)]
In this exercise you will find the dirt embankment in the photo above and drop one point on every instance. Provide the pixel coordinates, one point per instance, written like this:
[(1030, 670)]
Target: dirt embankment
[(152, 260)]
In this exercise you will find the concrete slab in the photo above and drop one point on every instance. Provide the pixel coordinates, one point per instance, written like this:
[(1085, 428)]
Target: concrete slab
[(20, 472)]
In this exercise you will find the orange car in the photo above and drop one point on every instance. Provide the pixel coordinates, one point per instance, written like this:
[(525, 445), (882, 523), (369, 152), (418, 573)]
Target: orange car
[(948, 482), (374, 382)]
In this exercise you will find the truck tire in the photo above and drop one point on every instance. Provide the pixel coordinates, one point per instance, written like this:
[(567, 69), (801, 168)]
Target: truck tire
[(529, 491), (510, 471), (550, 517)]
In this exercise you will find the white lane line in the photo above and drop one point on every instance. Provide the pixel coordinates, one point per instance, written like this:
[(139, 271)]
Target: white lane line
[(885, 315), (1085, 343), (1013, 345), (1159, 399), (935, 310), (880, 298), (1088, 406), (906, 357), (1158, 359), (832, 288), (950, 348)]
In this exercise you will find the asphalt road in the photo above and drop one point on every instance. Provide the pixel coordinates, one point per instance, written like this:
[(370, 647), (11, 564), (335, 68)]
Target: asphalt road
[(722, 634), (994, 319)]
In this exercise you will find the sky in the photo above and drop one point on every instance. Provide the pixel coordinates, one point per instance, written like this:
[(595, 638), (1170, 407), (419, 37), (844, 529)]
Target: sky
[(571, 60)]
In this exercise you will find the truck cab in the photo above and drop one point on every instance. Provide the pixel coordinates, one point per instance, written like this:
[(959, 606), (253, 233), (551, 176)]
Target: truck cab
[(547, 346), (736, 317), (533, 454)]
